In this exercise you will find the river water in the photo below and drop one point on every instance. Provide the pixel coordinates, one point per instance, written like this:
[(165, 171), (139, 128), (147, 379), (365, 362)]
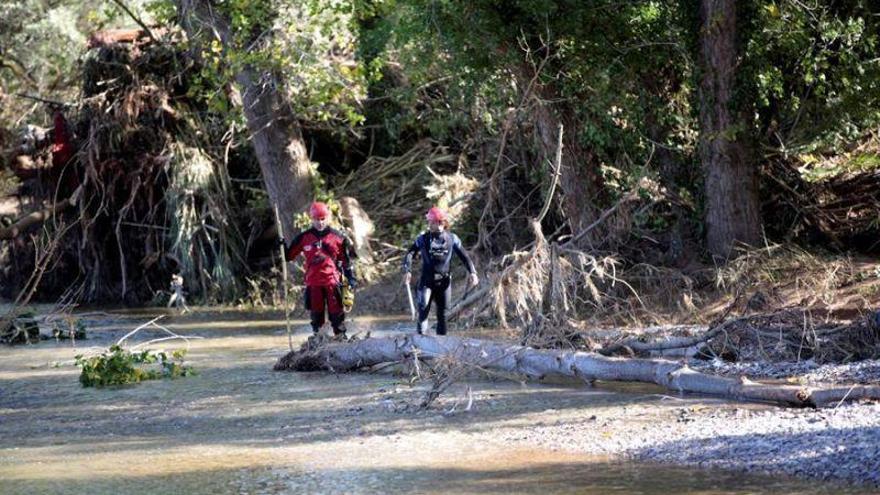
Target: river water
[(238, 427)]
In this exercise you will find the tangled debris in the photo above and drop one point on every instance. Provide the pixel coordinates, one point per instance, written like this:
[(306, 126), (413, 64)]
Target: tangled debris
[(787, 336), (21, 328), (147, 193), (397, 190), (839, 199)]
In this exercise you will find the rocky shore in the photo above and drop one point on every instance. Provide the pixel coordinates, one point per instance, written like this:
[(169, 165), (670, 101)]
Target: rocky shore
[(834, 444)]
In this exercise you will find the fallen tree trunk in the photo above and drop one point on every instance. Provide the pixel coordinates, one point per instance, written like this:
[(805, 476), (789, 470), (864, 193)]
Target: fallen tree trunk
[(36, 218), (535, 363)]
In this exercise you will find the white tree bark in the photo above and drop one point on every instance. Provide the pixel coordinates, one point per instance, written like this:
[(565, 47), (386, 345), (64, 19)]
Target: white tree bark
[(357, 220), (538, 363)]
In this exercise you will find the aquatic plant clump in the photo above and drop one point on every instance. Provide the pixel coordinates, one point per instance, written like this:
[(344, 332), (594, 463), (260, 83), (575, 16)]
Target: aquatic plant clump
[(118, 366)]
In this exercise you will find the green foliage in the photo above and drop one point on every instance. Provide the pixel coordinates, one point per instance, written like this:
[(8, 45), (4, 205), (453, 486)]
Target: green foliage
[(621, 68), (118, 366), (377, 76), (864, 162), (404, 234), (40, 47), (162, 12), (309, 45), (815, 72), (816, 168)]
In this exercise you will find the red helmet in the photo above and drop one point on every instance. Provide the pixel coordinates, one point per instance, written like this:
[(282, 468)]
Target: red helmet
[(319, 210), (436, 215)]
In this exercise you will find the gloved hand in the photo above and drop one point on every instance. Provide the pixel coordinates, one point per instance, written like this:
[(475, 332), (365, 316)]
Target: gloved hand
[(352, 282)]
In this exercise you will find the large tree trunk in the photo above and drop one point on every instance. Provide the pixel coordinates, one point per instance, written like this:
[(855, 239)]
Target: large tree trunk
[(274, 129), (732, 213), (580, 182), (535, 363)]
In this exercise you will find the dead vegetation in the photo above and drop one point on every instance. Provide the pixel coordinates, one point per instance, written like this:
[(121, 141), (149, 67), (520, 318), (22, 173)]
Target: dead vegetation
[(833, 197), (796, 335), (147, 194), (393, 187), (152, 195), (19, 328), (556, 296)]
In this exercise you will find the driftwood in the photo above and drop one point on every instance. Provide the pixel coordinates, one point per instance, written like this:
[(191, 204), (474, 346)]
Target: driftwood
[(781, 336), (359, 224), (844, 207), (37, 218), (534, 363), (637, 346)]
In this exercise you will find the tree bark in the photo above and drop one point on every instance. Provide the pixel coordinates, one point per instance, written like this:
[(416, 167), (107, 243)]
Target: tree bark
[(732, 209), (274, 130), (580, 182), (360, 225), (534, 363)]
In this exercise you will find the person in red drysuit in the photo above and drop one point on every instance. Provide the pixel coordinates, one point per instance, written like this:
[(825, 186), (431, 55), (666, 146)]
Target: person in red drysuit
[(62, 148), (327, 252)]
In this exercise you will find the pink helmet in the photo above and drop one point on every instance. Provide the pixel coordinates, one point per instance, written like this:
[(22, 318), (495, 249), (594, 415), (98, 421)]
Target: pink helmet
[(319, 210), (436, 215)]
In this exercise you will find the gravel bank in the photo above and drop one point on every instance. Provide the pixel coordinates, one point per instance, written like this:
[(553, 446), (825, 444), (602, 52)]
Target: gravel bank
[(841, 444), (809, 371), (836, 444)]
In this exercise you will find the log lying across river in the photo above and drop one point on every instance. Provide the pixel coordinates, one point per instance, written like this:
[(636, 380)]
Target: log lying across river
[(539, 363)]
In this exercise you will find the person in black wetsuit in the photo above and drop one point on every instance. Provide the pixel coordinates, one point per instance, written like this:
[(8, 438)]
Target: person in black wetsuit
[(436, 247)]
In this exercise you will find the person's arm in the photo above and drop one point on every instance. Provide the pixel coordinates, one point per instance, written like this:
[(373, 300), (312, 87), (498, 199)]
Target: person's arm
[(407, 260), (465, 259), (348, 257), (295, 247)]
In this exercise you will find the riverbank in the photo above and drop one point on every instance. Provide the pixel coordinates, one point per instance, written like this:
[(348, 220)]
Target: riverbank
[(836, 444), (238, 427)]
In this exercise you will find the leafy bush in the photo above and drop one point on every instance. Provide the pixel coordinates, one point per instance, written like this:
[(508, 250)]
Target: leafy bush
[(118, 366)]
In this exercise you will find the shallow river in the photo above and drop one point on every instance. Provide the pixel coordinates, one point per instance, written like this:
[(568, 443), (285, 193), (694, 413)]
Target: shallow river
[(238, 427)]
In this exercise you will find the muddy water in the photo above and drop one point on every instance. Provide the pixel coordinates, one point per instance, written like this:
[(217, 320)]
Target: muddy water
[(238, 427)]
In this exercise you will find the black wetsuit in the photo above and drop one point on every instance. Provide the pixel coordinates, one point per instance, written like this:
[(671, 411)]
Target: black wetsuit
[(436, 250)]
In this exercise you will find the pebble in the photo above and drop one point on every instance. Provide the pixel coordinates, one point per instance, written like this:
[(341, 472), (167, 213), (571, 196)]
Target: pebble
[(810, 372), (840, 444)]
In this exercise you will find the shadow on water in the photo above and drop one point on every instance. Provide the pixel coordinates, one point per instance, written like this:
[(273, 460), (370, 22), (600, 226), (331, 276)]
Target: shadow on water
[(543, 477), (312, 408)]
